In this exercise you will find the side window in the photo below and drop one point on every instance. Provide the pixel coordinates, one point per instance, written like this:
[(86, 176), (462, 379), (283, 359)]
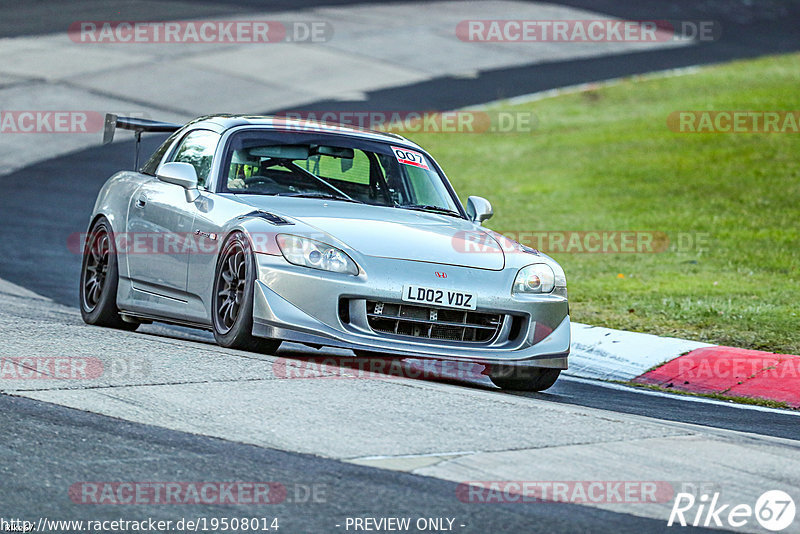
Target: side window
[(198, 149), (155, 160)]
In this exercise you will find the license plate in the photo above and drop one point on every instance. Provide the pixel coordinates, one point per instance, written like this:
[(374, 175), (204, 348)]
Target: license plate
[(444, 298)]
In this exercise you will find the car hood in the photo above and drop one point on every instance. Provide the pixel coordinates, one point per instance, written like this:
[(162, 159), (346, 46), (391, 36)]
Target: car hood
[(390, 232)]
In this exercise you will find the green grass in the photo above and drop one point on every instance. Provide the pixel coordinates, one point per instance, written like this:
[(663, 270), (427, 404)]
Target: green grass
[(604, 159), (755, 401)]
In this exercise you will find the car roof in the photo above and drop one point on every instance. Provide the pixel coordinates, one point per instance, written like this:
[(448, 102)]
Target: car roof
[(273, 122)]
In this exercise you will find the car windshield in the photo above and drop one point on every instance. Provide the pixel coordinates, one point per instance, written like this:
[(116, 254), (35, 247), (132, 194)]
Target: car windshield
[(336, 168)]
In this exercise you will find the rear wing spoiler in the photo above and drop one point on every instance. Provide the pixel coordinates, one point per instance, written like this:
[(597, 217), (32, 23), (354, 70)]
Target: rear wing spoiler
[(136, 125)]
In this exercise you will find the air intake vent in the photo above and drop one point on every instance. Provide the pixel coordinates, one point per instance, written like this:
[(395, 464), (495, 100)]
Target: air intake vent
[(433, 323), (267, 216)]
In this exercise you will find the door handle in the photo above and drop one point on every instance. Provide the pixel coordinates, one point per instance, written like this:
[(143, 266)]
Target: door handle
[(141, 200)]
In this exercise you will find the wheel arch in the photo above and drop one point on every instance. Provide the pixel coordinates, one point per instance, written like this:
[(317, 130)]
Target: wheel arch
[(122, 262), (260, 235)]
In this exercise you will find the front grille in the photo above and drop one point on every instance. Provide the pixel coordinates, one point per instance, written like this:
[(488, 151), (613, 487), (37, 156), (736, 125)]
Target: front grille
[(433, 323)]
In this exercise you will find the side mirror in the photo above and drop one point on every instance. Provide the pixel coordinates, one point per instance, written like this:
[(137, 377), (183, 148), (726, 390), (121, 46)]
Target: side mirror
[(479, 209), (182, 174)]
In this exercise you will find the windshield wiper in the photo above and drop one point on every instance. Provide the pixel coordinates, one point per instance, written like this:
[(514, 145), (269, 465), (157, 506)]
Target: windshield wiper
[(322, 181), (320, 195), (429, 208)]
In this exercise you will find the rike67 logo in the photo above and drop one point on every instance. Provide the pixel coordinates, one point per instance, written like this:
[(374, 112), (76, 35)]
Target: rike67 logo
[(774, 510)]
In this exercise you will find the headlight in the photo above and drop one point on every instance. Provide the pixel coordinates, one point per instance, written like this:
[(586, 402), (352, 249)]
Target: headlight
[(310, 253), (539, 278)]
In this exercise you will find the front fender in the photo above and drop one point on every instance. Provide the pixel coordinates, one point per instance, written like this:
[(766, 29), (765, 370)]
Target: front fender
[(112, 202)]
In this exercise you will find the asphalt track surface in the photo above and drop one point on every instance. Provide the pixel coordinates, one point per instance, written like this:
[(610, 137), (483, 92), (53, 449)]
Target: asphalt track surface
[(41, 205), (51, 444)]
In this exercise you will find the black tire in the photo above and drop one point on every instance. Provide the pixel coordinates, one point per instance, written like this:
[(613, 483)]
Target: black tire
[(100, 278), (523, 378), (232, 300)]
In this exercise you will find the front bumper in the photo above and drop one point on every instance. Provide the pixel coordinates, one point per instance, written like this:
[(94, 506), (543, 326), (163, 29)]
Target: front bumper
[(304, 305)]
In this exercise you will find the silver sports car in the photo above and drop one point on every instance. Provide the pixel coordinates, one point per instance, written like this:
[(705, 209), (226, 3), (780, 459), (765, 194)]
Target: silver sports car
[(265, 230)]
